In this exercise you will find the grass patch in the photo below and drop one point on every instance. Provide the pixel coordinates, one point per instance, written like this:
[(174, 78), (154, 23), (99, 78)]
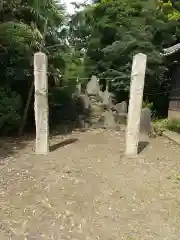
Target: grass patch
[(166, 124)]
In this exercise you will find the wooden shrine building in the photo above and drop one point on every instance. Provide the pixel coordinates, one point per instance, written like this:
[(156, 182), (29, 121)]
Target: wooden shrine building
[(173, 54)]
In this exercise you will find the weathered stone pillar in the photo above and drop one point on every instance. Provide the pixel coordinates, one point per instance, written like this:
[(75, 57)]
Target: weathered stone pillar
[(135, 103), (41, 103), (78, 87)]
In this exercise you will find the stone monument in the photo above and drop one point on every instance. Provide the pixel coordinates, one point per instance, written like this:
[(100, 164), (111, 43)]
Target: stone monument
[(145, 121)]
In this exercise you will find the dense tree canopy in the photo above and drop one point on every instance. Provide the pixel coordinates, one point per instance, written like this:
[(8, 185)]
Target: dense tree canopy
[(112, 31), (101, 39), (26, 27), (22, 27)]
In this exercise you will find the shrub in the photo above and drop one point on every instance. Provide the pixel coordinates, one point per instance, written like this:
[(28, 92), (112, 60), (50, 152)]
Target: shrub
[(147, 104), (174, 125), (166, 124), (62, 107), (10, 111), (160, 125)]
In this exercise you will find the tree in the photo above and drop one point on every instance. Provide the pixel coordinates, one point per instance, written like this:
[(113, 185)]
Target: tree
[(112, 31), (28, 26), (171, 8)]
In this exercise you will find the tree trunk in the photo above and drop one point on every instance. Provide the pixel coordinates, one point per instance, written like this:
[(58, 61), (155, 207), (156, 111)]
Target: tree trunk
[(26, 109)]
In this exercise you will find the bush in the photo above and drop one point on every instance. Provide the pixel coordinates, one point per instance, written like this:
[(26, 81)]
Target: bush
[(166, 124), (10, 111), (160, 125), (147, 104), (62, 107), (174, 125)]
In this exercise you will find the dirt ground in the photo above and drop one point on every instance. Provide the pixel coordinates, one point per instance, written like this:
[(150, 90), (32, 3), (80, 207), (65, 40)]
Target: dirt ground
[(85, 189)]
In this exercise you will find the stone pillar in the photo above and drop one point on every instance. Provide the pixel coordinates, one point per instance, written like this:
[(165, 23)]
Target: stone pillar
[(78, 87), (41, 103), (135, 104)]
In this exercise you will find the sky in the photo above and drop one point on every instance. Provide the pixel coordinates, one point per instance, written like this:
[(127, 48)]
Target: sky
[(70, 7)]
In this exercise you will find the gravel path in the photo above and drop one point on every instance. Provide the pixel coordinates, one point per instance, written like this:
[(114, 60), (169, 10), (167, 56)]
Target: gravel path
[(86, 190)]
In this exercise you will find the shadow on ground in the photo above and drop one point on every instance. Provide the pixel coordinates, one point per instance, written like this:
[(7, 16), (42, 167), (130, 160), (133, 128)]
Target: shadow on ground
[(62, 129), (12, 145), (63, 143), (67, 129), (142, 145)]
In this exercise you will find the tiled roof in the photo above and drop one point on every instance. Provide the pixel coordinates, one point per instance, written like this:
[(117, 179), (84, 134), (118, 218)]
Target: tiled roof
[(171, 50)]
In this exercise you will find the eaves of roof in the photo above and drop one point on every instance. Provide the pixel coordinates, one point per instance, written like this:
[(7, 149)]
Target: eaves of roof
[(171, 50)]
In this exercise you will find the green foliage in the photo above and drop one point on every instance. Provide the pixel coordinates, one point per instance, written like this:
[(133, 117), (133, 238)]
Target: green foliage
[(117, 30), (101, 39), (10, 107), (170, 8), (28, 26), (160, 125), (174, 125), (59, 95), (62, 106), (111, 32), (166, 124), (147, 104), (74, 66)]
